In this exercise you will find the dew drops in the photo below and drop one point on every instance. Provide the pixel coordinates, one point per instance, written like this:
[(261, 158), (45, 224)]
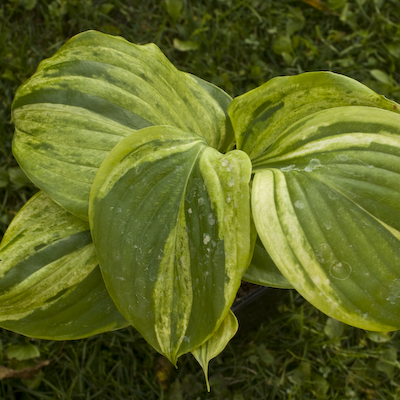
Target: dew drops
[(394, 291), (290, 167), (206, 238), (327, 225), (211, 219), (299, 204), (333, 196), (312, 165), (340, 270), (227, 164), (310, 294), (190, 211), (324, 253), (200, 201)]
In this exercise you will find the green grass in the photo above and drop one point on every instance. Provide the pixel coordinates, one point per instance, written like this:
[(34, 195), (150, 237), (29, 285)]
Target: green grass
[(237, 45), (298, 355)]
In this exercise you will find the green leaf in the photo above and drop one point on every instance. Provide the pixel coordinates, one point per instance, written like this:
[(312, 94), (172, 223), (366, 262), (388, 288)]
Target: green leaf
[(283, 44), (325, 202), (387, 362), (223, 100), (295, 22), (336, 4), (319, 385), (301, 375), (333, 328), (381, 76), (263, 271), (174, 8), (22, 352), (51, 286), (17, 177), (394, 49), (216, 344), (4, 178), (96, 90), (106, 8), (29, 4), (175, 215), (379, 337), (265, 355), (185, 45), (260, 116)]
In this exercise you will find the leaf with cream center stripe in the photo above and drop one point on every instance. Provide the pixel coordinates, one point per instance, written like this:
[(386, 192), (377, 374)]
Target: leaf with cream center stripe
[(260, 116), (51, 286), (325, 202), (96, 90), (170, 219)]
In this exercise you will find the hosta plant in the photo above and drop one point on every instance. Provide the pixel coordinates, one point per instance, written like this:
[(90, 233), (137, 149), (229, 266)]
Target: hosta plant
[(159, 194)]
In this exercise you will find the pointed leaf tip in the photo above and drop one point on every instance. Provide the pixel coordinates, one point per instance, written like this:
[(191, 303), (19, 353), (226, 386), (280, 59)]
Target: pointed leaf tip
[(216, 344)]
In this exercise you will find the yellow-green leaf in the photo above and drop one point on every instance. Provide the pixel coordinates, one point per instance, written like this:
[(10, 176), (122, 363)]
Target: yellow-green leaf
[(50, 282), (216, 344), (96, 90), (170, 219)]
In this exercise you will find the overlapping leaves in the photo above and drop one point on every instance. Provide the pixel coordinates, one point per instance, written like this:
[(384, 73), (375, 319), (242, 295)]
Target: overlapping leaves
[(96, 90), (174, 247), (51, 286), (170, 218), (325, 194), (113, 133)]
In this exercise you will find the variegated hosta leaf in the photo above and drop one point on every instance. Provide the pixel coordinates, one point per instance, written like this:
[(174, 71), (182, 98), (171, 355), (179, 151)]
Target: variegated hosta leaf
[(51, 286), (325, 202), (260, 116), (263, 271), (96, 90), (216, 344), (170, 219)]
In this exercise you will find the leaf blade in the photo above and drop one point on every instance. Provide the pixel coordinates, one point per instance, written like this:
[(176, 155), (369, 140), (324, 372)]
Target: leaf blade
[(216, 344), (262, 270), (332, 224), (93, 92), (51, 285), (180, 217), (261, 115)]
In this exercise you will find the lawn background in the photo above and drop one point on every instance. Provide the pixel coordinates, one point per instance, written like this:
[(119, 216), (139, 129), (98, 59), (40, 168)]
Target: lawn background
[(237, 45)]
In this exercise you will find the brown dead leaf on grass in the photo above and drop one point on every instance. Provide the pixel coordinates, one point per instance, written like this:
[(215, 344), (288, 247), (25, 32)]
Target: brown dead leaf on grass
[(25, 373), (319, 5)]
